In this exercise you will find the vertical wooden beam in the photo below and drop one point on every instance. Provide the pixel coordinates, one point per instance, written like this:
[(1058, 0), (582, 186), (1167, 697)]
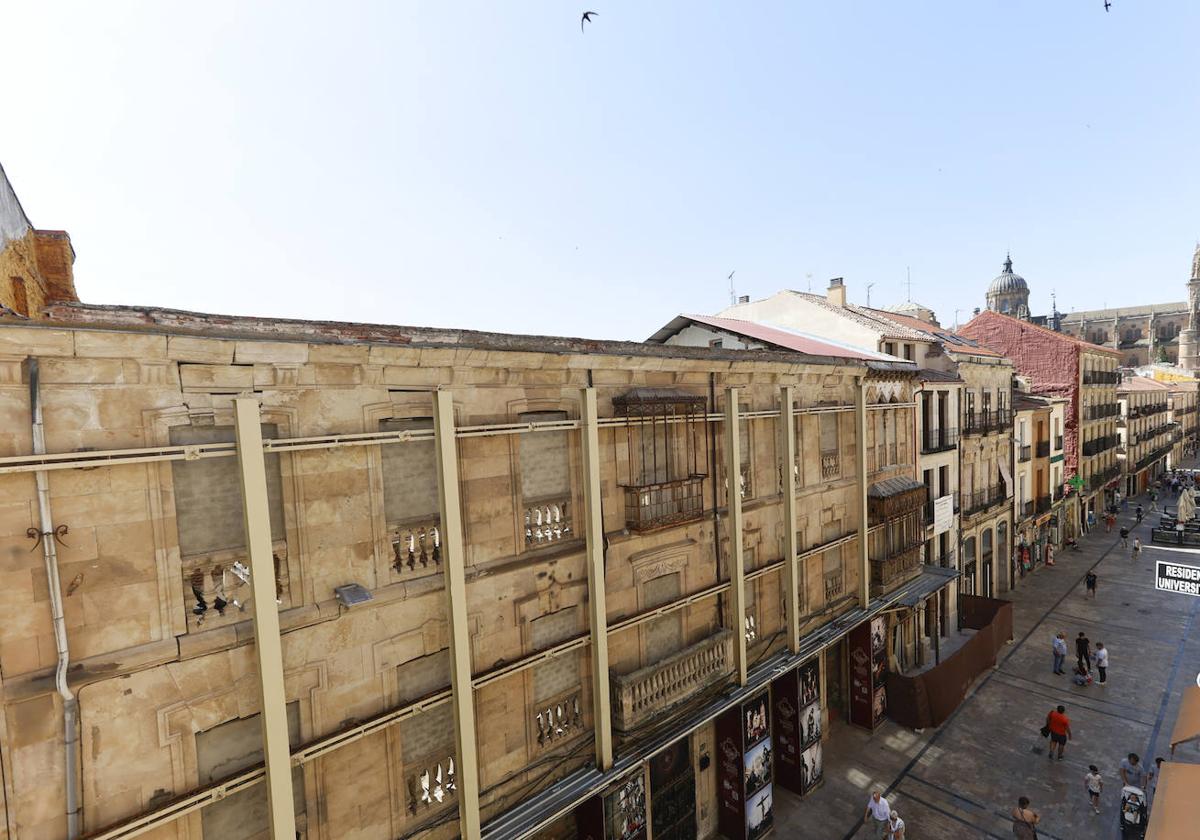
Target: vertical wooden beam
[(454, 558), (597, 605), (860, 454), (268, 647), (737, 560), (791, 574)]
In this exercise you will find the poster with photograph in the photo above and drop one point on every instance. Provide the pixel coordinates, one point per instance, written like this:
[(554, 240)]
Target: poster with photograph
[(810, 724), (760, 814), (810, 682), (786, 730), (757, 767), (878, 641), (625, 810), (879, 704), (758, 720), (814, 770)]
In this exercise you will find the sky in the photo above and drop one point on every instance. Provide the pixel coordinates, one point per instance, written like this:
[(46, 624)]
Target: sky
[(488, 166)]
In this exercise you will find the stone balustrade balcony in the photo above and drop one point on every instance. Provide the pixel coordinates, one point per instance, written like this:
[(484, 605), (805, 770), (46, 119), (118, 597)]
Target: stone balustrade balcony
[(652, 690), (417, 546), (895, 567), (548, 521)]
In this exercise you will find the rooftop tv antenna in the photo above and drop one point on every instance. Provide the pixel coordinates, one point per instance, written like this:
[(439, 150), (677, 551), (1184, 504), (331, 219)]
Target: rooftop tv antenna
[(908, 282), (809, 278), (732, 293), (869, 285)]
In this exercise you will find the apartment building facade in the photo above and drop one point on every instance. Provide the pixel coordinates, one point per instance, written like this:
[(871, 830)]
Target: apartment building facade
[(1086, 376), (1038, 468), (1147, 433), (1183, 403)]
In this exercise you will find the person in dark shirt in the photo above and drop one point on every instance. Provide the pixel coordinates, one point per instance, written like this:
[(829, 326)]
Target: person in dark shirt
[(1083, 652)]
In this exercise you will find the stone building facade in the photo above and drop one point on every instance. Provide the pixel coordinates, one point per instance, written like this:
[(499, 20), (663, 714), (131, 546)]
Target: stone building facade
[(1147, 433), (154, 563), (35, 265), (1038, 468), (1055, 364)]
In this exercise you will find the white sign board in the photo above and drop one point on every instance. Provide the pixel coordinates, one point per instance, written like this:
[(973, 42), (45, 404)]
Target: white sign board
[(943, 514), (1177, 577)]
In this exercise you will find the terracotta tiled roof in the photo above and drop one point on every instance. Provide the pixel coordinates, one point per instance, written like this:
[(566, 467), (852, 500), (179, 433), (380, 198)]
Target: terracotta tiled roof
[(988, 315), (951, 340), (869, 318), (1142, 383)]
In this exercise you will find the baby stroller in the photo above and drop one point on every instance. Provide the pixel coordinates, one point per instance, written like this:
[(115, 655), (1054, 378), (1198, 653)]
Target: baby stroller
[(1133, 812)]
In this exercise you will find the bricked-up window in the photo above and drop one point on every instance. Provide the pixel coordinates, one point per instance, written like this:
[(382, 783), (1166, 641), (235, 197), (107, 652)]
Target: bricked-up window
[(231, 747), (545, 480), (208, 493), (557, 704), (663, 635), (410, 489)]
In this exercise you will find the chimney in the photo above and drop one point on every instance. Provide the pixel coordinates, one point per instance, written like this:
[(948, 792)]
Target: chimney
[(837, 292), (744, 299)]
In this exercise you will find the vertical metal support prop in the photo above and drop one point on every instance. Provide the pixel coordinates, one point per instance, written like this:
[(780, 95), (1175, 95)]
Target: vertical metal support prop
[(273, 701), (791, 575), (737, 560), (597, 603), (454, 563), (860, 454)]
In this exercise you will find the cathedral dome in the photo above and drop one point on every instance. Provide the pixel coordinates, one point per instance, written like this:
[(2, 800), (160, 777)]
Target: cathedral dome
[(1007, 282)]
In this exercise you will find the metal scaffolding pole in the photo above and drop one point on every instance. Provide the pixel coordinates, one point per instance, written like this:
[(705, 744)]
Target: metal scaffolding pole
[(737, 560), (791, 575), (597, 604), (273, 701), (454, 568), (860, 454)]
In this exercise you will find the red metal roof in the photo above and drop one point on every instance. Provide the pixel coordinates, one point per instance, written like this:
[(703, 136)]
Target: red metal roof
[(787, 339)]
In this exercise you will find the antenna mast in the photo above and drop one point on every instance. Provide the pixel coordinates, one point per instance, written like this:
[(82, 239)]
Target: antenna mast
[(908, 282), (732, 293), (869, 285)]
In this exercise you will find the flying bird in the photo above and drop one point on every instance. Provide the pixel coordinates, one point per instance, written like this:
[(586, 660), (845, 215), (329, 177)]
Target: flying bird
[(587, 18), (1107, 5)]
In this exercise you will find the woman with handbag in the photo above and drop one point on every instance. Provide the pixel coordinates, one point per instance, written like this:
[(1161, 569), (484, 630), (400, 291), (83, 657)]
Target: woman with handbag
[(1025, 820)]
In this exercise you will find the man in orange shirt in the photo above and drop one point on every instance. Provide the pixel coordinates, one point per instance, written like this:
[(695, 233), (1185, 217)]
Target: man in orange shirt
[(1060, 730)]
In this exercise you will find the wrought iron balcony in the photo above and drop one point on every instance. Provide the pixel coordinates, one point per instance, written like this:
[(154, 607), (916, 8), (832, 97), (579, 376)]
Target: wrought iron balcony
[(649, 691), (895, 566), (1026, 509), (1024, 453), (651, 506), (981, 500), (1043, 449), (1043, 504), (938, 440)]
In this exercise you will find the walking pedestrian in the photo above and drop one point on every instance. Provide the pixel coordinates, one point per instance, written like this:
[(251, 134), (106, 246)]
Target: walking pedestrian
[(1094, 784), (1154, 500), (1091, 519), (1137, 549), (1025, 820), (1117, 498), (895, 827), (1108, 522), (1125, 503), (1124, 536), (1059, 645), (878, 810), (1089, 580), (1139, 514), (1133, 772), (1102, 661), (1049, 554), (1083, 653), (1060, 730)]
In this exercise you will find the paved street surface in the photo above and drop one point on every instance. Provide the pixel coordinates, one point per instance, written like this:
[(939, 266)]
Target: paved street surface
[(961, 780)]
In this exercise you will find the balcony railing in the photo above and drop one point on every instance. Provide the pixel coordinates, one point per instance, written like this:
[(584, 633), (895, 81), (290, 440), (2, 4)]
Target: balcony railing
[(1043, 504), (986, 422), (1101, 377), (650, 506), (1100, 412), (639, 696), (938, 440), (1043, 449), (548, 522), (417, 546), (831, 466), (929, 506), (1025, 509), (946, 560), (1099, 479), (981, 500), (1101, 444), (1024, 453), (558, 719), (896, 566), (1058, 442), (835, 585)]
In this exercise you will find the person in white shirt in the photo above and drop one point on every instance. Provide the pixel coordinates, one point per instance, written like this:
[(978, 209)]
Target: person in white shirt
[(895, 827), (879, 810), (1102, 661)]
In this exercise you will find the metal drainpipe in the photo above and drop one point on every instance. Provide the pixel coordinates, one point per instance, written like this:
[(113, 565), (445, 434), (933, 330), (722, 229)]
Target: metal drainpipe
[(49, 550)]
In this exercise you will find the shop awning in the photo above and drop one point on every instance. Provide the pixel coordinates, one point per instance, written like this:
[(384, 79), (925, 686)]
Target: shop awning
[(931, 579), (1174, 813), (1187, 724)]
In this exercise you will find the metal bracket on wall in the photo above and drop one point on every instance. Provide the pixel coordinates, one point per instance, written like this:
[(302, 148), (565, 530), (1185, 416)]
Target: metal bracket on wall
[(37, 536)]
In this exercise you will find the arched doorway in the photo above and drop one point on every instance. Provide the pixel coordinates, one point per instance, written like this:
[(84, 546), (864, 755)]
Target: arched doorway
[(986, 557)]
